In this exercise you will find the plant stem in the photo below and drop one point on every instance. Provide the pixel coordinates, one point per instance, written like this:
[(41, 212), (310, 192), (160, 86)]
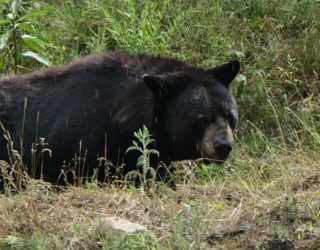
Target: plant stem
[(15, 46)]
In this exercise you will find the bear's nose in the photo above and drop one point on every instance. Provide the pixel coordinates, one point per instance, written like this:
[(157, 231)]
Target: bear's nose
[(223, 148)]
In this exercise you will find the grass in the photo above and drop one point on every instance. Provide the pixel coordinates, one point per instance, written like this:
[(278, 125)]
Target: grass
[(251, 207), (265, 197)]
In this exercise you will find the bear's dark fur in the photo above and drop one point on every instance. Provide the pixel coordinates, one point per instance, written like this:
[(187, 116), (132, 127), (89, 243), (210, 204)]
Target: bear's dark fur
[(102, 99)]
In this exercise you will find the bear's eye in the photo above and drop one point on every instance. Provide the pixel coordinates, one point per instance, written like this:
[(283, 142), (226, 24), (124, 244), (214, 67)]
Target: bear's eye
[(203, 120), (232, 121)]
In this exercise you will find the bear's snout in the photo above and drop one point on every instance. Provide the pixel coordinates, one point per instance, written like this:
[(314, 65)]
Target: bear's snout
[(217, 142), (223, 148)]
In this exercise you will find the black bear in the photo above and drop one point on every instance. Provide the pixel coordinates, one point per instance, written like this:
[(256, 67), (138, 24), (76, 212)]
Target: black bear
[(102, 99)]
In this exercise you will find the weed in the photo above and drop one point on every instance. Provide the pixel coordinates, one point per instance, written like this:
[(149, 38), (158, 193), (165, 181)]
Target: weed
[(207, 173), (148, 175), (13, 174), (18, 39), (14, 242), (135, 241)]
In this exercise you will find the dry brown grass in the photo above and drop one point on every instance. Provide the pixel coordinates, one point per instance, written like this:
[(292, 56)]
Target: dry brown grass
[(246, 210)]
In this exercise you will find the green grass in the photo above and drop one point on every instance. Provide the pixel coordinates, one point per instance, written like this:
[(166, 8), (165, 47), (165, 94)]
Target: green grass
[(265, 196)]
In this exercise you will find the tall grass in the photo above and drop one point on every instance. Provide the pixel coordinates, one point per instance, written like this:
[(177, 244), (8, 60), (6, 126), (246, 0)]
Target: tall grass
[(278, 43)]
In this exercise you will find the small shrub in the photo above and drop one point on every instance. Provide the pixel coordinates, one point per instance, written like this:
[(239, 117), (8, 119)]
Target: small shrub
[(132, 241), (147, 177), (18, 38), (212, 171)]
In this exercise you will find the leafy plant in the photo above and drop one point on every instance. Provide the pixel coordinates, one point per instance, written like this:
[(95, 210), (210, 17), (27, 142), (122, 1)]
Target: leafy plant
[(19, 37), (212, 171), (148, 173), (138, 240), (14, 242)]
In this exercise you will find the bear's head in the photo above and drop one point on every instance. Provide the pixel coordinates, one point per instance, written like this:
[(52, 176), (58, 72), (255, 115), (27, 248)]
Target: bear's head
[(196, 112)]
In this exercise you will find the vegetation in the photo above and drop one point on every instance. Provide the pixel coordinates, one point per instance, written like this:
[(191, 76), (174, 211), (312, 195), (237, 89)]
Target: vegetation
[(144, 171), (266, 196), (17, 30)]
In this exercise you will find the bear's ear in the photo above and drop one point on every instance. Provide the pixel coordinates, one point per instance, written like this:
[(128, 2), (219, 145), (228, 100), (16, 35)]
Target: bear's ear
[(226, 72), (156, 84), (165, 85)]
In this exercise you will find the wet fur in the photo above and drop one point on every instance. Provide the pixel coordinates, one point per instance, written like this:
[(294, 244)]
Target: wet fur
[(96, 97)]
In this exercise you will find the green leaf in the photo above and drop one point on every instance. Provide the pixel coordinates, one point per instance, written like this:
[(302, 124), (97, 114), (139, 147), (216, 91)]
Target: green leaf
[(140, 161), (11, 240), (132, 175), (36, 56), (154, 151), (26, 26), (37, 12), (4, 22), (37, 40), (34, 43), (152, 172), (10, 16), (4, 39), (15, 6)]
